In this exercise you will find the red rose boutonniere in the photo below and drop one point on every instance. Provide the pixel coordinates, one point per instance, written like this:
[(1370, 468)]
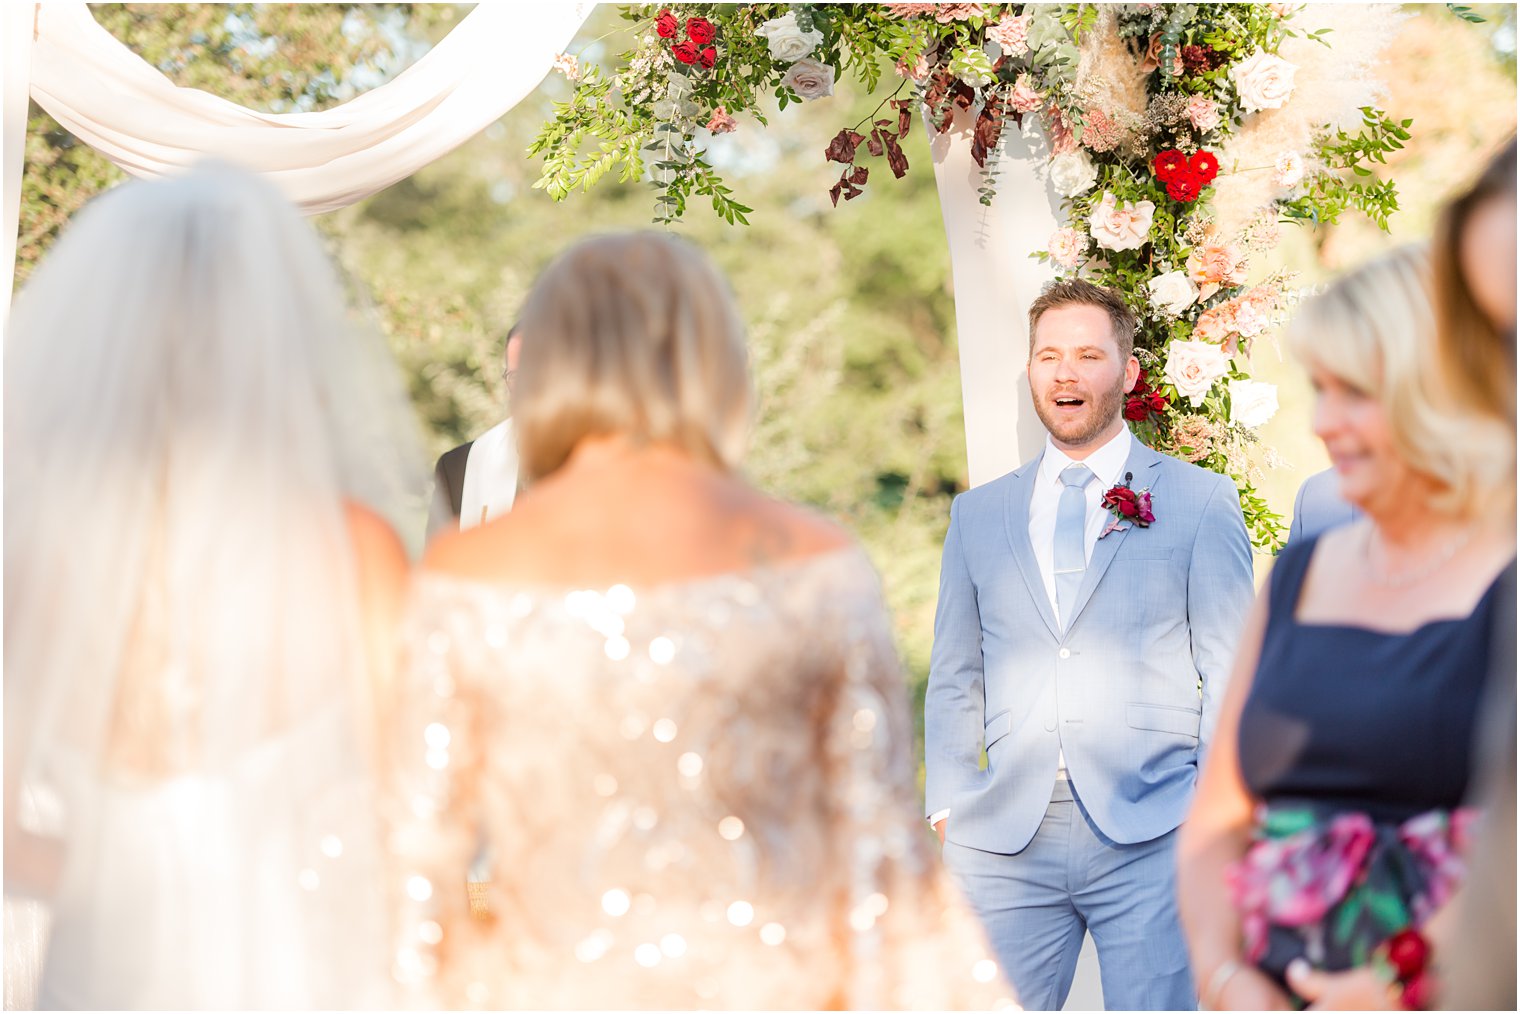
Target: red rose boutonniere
[(1127, 505)]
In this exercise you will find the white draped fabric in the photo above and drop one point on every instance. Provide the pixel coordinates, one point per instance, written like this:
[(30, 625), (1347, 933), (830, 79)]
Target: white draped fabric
[(110, 99), (995, 281)]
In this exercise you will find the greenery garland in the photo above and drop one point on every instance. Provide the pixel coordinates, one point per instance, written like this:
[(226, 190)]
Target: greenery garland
[(1135, 138)]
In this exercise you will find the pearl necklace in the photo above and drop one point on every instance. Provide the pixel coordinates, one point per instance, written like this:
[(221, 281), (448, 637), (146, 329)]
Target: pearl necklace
[(1414, 576)]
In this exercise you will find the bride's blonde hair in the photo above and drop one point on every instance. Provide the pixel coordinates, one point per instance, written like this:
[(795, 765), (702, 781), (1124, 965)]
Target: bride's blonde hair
[(636, 334)]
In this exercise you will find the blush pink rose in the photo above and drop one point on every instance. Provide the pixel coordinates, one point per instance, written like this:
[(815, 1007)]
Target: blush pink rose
[(1067, 247), (1024, 98), (1212, 265)]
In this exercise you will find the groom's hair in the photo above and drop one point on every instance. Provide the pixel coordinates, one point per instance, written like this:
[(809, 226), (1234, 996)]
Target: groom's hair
[(1077, 292)]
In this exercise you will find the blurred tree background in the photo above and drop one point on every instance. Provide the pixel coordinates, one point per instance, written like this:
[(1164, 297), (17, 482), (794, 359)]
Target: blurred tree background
[(849, 310)]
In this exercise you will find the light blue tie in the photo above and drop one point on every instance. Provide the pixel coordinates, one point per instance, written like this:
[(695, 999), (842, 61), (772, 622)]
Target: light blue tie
[(1070, 547)]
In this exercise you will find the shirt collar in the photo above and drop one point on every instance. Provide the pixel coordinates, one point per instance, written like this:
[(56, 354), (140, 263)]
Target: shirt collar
[(1107, 462)]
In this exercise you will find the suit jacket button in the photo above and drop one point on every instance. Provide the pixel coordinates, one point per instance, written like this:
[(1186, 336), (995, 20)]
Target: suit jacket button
[(1066, 653)]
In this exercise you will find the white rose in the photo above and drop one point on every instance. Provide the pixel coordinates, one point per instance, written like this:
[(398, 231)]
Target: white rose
[(1192, 367), (810, 79), (788, 43), (1172, 292), (1288, 169), (1121, 228), (1263, 81), (1251, 403), (1073, 173)]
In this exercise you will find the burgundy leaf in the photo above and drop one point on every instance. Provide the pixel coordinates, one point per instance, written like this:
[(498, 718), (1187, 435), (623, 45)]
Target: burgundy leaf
[(834, 192), (842, 147), (874, 145), (895, 157), (860, 175), (903, 117)]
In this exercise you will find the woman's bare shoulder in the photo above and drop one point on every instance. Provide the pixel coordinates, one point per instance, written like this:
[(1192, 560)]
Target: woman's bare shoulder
[(376, 545), (785, 530)]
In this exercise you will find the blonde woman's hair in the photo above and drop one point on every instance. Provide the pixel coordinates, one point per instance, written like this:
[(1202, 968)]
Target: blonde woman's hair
[(635, 334), (1375, 330)]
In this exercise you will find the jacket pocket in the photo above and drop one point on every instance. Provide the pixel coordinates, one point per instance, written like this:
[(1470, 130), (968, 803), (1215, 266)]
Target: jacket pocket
[(998, 726), (1164, 718)]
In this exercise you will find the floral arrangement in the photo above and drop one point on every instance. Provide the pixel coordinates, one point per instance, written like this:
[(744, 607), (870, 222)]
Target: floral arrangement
[(1179, 137)]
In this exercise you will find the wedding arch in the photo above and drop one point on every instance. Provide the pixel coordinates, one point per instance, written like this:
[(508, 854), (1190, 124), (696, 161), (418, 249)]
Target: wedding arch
[(1151, 147)]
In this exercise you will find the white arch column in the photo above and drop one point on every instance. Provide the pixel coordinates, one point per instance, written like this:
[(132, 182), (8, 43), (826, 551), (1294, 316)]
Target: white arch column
[(995, 281)]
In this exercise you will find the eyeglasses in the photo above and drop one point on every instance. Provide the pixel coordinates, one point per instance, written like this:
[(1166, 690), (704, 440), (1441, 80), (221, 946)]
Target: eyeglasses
[(508, 376)]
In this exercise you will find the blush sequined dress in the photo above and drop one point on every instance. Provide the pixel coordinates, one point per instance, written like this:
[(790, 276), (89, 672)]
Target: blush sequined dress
[(697, 794)]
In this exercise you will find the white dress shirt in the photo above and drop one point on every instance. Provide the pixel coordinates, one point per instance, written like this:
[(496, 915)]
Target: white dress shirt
[(1107, 465), (490, 476)]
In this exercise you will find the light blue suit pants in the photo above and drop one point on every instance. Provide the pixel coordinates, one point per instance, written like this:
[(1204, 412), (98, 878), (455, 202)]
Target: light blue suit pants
[(1036, 904)]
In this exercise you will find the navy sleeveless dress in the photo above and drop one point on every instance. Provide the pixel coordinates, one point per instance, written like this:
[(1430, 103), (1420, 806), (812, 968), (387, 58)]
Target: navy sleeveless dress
[(1358, 744)]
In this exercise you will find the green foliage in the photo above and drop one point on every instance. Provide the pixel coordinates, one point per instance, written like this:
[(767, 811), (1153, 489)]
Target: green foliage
[(1350, 183)]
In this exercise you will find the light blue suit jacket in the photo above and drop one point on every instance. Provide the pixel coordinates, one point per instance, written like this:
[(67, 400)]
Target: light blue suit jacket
[(1319, 507), (1159, 613)]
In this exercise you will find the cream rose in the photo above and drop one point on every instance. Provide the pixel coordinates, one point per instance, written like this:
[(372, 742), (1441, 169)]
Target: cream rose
[(1121, 228), (1251, 403), (1073, 173), (1288, 169), (1193, 367), (788, 42), (1263, 81), (1172, 292), (809, 79), (1067, 247)]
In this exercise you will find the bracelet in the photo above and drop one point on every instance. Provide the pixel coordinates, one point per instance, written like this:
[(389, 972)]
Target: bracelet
[(1221, 978)]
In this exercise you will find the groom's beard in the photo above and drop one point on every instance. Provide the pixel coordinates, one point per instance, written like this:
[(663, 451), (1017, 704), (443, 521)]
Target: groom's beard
[(1101, 410)]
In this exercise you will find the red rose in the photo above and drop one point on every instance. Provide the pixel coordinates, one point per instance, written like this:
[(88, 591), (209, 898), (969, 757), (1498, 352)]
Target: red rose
[(700, 31), (1408, 953), (665, 25), (1136, 409), (1169, 163), (1205, 165), (686, 52), (708, 57), (1123, 500), (1184, 187), (1158, 402)]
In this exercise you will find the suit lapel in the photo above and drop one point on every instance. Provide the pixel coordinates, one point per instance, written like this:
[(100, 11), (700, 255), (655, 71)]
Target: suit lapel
[(1142, 465), (1016, 515)]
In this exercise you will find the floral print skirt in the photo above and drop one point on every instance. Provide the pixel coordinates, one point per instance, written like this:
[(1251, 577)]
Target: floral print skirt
[(1330, 886)]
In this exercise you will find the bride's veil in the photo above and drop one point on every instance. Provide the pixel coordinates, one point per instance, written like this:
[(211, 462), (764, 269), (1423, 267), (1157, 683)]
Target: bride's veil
[(186, 409)]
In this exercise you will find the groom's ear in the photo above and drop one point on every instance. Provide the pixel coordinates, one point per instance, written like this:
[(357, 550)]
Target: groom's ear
[(1131, 374)]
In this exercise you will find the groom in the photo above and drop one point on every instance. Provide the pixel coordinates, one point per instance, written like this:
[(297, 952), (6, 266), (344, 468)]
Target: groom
[(1088, 655)]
